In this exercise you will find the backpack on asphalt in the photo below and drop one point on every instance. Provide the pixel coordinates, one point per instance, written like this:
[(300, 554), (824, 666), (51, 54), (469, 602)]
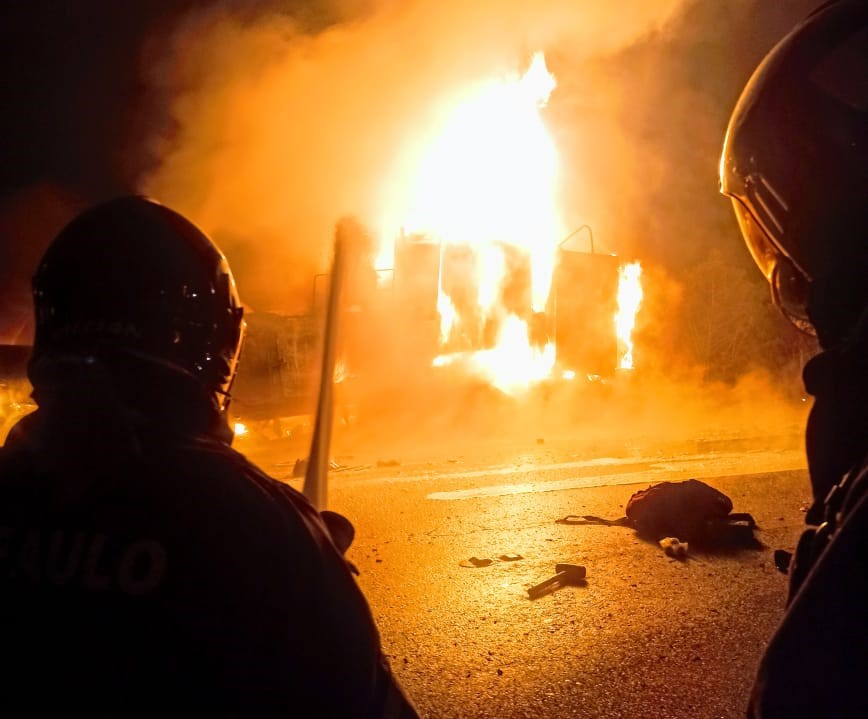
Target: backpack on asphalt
[(690, 511)]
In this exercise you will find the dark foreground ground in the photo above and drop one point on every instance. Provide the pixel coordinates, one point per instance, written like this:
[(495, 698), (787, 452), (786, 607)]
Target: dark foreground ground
[(646, 636)]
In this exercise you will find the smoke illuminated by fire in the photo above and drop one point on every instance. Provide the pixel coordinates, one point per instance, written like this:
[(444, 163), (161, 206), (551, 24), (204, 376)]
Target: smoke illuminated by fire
[(629, 299), (282, 131)]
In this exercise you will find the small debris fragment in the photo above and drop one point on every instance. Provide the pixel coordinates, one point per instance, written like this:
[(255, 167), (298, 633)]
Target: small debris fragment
[(477, 562), (673, 547), (783, 558), (388, 463), (510, 557), (300, 467), (540, 440)]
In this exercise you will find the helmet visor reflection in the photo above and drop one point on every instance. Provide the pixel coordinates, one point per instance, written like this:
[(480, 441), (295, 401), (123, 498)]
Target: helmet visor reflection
[(763, 251), (788, 284), (790, 294)]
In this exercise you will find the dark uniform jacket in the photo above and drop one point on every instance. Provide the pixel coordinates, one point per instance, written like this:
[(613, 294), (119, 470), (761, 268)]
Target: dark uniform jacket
[(147, 569), (816, 664)]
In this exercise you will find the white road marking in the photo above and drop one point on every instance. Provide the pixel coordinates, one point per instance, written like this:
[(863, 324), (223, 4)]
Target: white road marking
[(697, 466)]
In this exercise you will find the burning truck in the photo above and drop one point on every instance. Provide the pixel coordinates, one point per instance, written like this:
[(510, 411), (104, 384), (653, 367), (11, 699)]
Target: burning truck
[(431, 311), (480, 284), (479, 279), (427, 312)]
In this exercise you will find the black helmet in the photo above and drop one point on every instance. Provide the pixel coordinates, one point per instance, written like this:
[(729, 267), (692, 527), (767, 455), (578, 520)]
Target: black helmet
[(795, 163), (131, 276)]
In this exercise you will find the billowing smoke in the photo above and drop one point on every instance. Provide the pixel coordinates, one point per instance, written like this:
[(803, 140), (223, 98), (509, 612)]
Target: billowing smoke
[(267, 122), (282, 131)]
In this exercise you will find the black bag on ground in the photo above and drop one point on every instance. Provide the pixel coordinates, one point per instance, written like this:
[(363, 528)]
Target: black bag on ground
[(690, 511), (677, 509)]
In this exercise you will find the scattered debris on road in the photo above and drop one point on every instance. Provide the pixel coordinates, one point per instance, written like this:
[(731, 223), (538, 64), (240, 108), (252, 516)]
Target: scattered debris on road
[(300, 467), (673, 547), (783, 559), (688, 511), (565, 574), (388, 463), (476, 562)]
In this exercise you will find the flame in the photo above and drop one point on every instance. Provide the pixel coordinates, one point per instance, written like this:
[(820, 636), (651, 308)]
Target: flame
[(14, 404), (448, 315), (512, 364), (341, 371), (490, 173), (629, 299), (240, 429), (487, 180)]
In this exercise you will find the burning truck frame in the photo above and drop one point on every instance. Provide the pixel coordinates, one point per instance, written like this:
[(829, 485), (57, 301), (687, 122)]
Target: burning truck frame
[(480, 283), (425, 313)]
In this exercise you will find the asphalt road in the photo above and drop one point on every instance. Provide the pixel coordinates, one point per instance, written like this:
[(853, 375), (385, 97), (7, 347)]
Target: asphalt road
[(645, 636)]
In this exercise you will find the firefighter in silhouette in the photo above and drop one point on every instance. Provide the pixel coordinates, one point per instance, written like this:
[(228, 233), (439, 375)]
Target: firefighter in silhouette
[(147, 569), (795, 164)]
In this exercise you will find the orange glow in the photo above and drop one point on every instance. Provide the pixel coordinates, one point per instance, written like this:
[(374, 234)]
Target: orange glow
[(486, 180), (447, 313), (629, 299), (14, 404), (512, 364), (490, 175)]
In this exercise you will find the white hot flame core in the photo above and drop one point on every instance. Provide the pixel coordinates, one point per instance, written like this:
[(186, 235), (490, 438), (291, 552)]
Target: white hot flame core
[(629, 299), (487, 180)]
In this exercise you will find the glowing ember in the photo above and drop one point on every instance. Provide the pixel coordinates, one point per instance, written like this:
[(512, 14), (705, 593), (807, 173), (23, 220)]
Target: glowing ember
[(240, 429), (629, 299)]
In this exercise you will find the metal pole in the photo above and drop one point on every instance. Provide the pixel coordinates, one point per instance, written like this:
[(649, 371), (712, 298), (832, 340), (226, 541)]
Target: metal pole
[(316, 475)]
